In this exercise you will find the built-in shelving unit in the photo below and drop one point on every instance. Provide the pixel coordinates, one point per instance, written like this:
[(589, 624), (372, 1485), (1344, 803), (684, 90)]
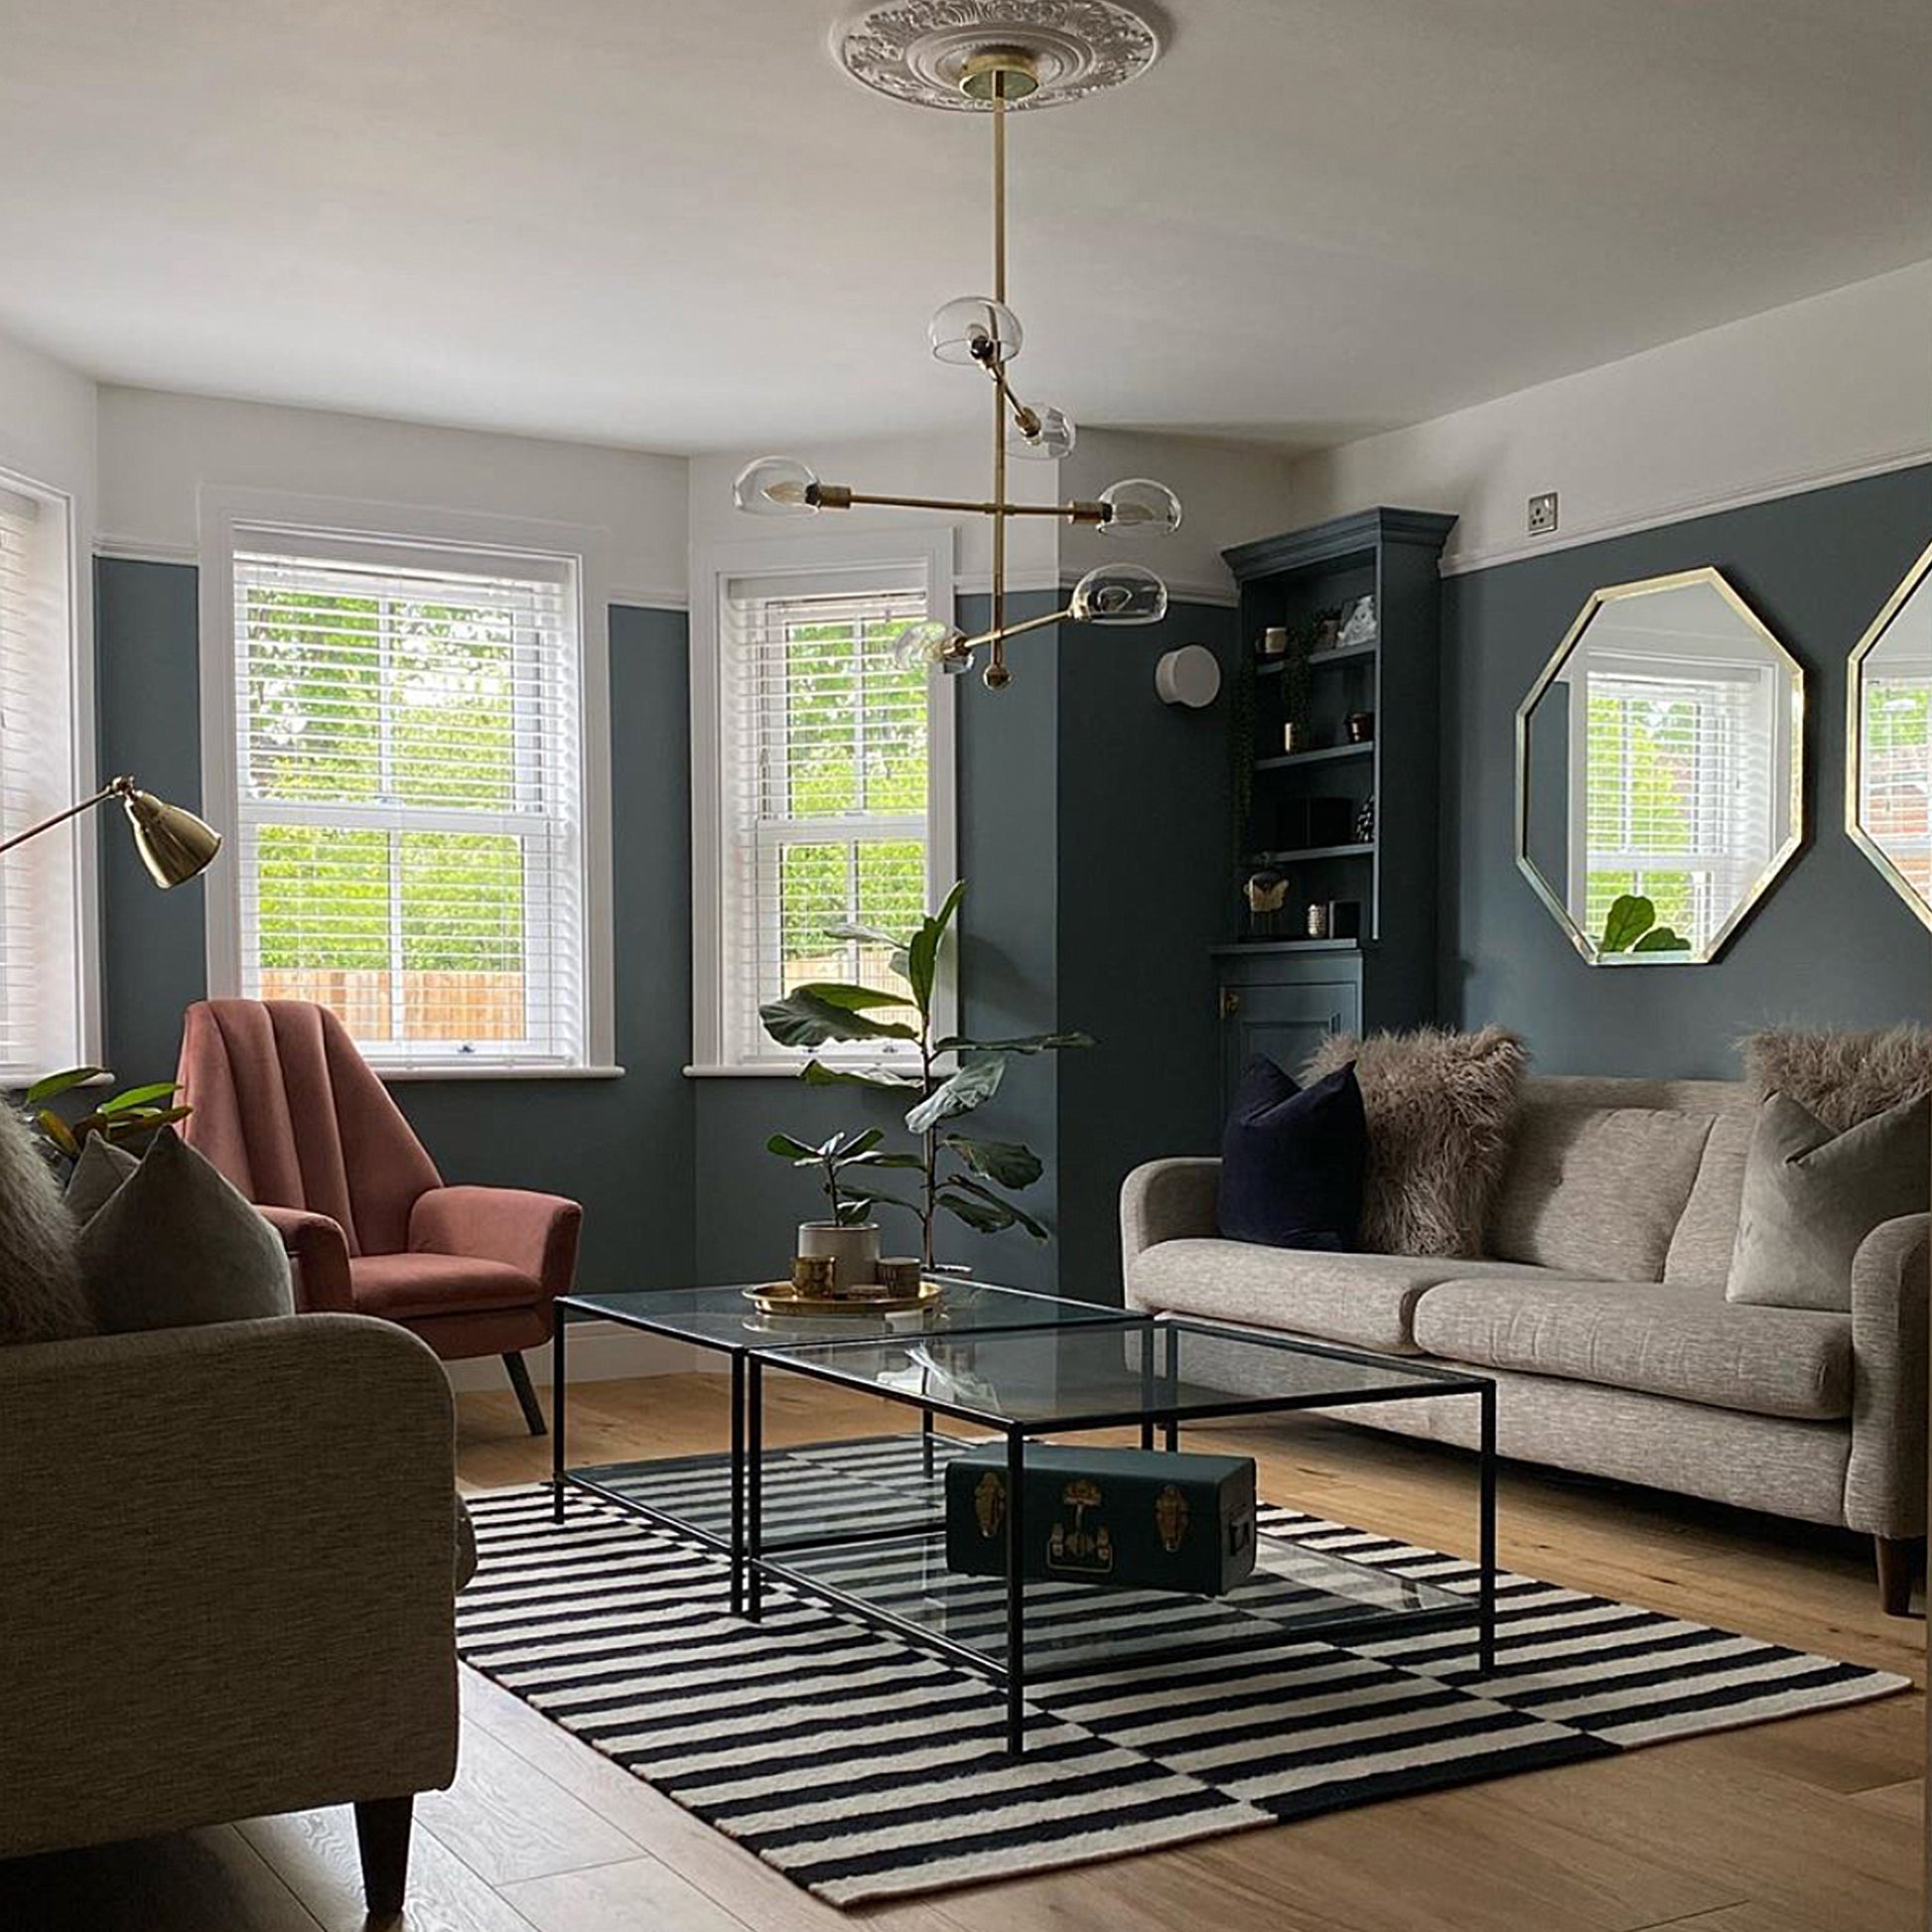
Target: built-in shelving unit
[(1282, 992)]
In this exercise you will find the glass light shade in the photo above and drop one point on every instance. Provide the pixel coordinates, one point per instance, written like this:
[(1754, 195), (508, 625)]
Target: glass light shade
[(1055, 439), (1141, 507), (933, 641), (775, 485), (1120, 594), (975, 329)]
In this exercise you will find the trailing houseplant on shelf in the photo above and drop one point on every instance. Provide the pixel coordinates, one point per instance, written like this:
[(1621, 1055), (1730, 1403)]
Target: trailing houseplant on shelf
[(946, 1077)]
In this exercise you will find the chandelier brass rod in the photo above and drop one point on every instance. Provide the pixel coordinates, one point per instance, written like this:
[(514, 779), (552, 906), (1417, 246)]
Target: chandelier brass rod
[(1074, 512), (1018, 630), (995, 670)]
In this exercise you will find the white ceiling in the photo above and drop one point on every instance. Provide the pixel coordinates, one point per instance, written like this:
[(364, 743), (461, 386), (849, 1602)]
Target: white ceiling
[(680, 228)]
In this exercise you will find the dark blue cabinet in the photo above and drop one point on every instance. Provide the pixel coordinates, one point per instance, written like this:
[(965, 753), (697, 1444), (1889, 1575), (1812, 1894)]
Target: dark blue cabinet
[(1284, 1002)]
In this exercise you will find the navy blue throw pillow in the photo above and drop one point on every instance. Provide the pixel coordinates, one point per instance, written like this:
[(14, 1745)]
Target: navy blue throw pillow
[(1291, 1160)]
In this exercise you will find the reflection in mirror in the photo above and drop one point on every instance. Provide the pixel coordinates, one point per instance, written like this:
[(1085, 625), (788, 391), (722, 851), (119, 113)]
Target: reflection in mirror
[(1889, 757), (1659, 783)]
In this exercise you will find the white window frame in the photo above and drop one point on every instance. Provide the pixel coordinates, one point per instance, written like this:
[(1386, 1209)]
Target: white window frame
[(76, 779), (232, 519), (832, 556)]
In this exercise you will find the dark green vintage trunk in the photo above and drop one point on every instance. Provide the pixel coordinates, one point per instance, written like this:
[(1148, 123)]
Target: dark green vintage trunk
[(1138, 1519)]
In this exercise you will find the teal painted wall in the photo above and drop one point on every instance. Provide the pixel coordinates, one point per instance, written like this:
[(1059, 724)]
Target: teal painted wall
[(1832, 945)]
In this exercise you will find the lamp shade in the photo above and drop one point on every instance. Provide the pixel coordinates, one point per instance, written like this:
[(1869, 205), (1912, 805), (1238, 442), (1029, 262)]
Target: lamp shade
[(974, 328), (173, 844), (1119, 594), (775, 485), (1140, 506)]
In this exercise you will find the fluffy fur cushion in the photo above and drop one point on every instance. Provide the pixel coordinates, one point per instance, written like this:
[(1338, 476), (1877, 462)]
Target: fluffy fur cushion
[(41, 1296), (1842, 1077), (1440, 1108)]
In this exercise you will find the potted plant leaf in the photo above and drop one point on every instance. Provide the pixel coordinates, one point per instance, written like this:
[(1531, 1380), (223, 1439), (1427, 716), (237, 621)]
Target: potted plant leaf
[(122, 1117), (946, 1078), (851, 1236)]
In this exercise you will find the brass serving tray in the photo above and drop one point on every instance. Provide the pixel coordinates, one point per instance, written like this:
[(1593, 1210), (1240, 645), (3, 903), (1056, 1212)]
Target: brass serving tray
[(781, 1297)]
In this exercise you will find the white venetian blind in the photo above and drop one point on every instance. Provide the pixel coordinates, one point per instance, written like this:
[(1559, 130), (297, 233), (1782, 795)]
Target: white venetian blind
[(826, 768), (1680, 801), (40, 1003), (410, 796)]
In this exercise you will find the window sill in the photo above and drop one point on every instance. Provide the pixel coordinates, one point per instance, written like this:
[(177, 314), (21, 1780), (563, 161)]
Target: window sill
[(789, 1072), (388, 1074)]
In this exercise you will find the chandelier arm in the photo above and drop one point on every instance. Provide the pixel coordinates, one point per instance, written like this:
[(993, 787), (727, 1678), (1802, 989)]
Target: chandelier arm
[(1015, 629), (833, 497), (1025, 419)]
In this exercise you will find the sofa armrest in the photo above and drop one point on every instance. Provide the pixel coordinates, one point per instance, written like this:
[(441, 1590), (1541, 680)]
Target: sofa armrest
[(317, 1259), (1167, 1200), (534, 1232), (227, 1579), (1885, 1481)]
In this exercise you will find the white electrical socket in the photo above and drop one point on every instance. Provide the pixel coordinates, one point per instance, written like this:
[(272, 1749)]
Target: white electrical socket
[(1543, 513)]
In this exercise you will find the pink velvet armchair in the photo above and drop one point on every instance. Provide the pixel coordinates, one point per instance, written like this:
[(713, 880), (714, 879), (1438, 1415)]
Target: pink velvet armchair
[(286, 1108)]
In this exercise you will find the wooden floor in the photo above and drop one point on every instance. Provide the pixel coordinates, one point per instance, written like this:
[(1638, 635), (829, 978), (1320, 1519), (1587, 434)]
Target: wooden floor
[(1812, 1824)]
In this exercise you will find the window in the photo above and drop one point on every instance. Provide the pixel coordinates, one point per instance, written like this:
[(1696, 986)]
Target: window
[(409, 796), (44, 1005), (1895, 764), (1680, 802), (833, 786)]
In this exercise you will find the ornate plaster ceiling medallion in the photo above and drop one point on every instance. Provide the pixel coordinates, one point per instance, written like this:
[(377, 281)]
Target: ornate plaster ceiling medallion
[(917, 50)]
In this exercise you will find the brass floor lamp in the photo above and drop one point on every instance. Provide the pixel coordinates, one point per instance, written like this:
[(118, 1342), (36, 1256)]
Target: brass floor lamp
[(172, 843)]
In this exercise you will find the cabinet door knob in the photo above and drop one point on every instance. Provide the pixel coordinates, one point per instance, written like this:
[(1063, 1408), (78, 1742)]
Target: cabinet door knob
[(1230, 1002)]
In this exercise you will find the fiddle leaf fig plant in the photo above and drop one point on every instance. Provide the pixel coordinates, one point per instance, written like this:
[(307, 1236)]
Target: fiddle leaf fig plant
[(122, 1117), (969, 1177), (1631, 927)]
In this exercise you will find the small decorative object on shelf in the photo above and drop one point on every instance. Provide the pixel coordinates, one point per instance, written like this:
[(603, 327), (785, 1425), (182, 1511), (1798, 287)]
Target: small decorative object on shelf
[(1294, 736), (1365, 822), (1344, 919), (1358, 624), (1273, 642), (1317, 922), (900, 1273), (1266, 897), (1361, 726), (1326, 631)]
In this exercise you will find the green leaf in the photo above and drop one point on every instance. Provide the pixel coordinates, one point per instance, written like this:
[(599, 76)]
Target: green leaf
[(853, 1212), (788, 1149), (892, 1200), (987, 1216), (1025, 1044), (960, 1184), (138, 1097), (1660, 938), (866, 935), (975, 1082), (1628, 919), (922, 955), (57, 1131), (911, 1162), (1010, 1162), (843, 1147), (815, 1073), (851, 999), (52, 1084), (802, 1018)]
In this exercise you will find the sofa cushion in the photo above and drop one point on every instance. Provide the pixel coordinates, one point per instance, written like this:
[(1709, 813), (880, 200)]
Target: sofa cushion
[(1597, 1191), (1842, 1077), (399, 1286), (1367, 1300), (41, 1297), (1699, 1250), (1292, 1161), (1656, 1338), (1810, 1196)]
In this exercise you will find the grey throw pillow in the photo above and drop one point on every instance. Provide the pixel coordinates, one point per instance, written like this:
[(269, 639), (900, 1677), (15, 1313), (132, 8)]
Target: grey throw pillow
[(177, 1245), (96, 1177), (41, 1296), (1811, 1197)]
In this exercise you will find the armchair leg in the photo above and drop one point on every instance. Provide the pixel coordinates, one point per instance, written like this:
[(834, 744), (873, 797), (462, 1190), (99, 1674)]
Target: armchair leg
[(1897, 1560), (382, 1839), (528, 1396)]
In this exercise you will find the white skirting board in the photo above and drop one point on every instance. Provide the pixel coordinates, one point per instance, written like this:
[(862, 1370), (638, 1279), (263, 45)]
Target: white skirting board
[(599, 1351)]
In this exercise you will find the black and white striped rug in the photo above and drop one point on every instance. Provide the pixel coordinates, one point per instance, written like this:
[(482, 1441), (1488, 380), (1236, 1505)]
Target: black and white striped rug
[(864, 1767)]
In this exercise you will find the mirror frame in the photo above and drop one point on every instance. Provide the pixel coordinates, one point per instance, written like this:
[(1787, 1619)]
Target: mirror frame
[(1854, 734), (1586, 943)]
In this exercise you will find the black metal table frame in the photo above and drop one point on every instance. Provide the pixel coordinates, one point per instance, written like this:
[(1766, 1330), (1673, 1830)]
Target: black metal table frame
[(1010, 1669), (733, 1545)]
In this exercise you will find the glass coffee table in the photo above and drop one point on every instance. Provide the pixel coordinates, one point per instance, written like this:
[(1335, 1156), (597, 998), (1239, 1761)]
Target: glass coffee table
[(1063, 1379), (703, 1496)]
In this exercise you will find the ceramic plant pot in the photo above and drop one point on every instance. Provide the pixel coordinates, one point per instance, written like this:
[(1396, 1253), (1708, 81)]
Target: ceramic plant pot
[(854, 1250)]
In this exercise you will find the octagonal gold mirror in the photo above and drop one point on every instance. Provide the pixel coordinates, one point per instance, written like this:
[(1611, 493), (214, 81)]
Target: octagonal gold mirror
[(1888, 754), (1660, 771)]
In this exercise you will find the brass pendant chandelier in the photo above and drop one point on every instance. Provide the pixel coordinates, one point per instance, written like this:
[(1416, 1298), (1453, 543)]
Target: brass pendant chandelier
[(992, 57)]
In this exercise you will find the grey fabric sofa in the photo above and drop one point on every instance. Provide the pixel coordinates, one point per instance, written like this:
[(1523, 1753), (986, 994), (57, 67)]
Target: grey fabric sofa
[(228, 1587), (1598, 1308)]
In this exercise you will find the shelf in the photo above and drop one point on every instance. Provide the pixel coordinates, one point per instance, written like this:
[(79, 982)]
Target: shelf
[(1286, 946), (1326, 755), (1307, 852), (1272, 666)]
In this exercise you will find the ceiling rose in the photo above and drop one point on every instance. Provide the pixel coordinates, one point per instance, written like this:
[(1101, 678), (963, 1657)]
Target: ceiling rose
[(917, 50)]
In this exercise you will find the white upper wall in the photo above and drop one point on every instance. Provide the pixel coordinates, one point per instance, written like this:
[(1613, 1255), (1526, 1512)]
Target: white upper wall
[(158, 449), (46, 426), (1815, 392)]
